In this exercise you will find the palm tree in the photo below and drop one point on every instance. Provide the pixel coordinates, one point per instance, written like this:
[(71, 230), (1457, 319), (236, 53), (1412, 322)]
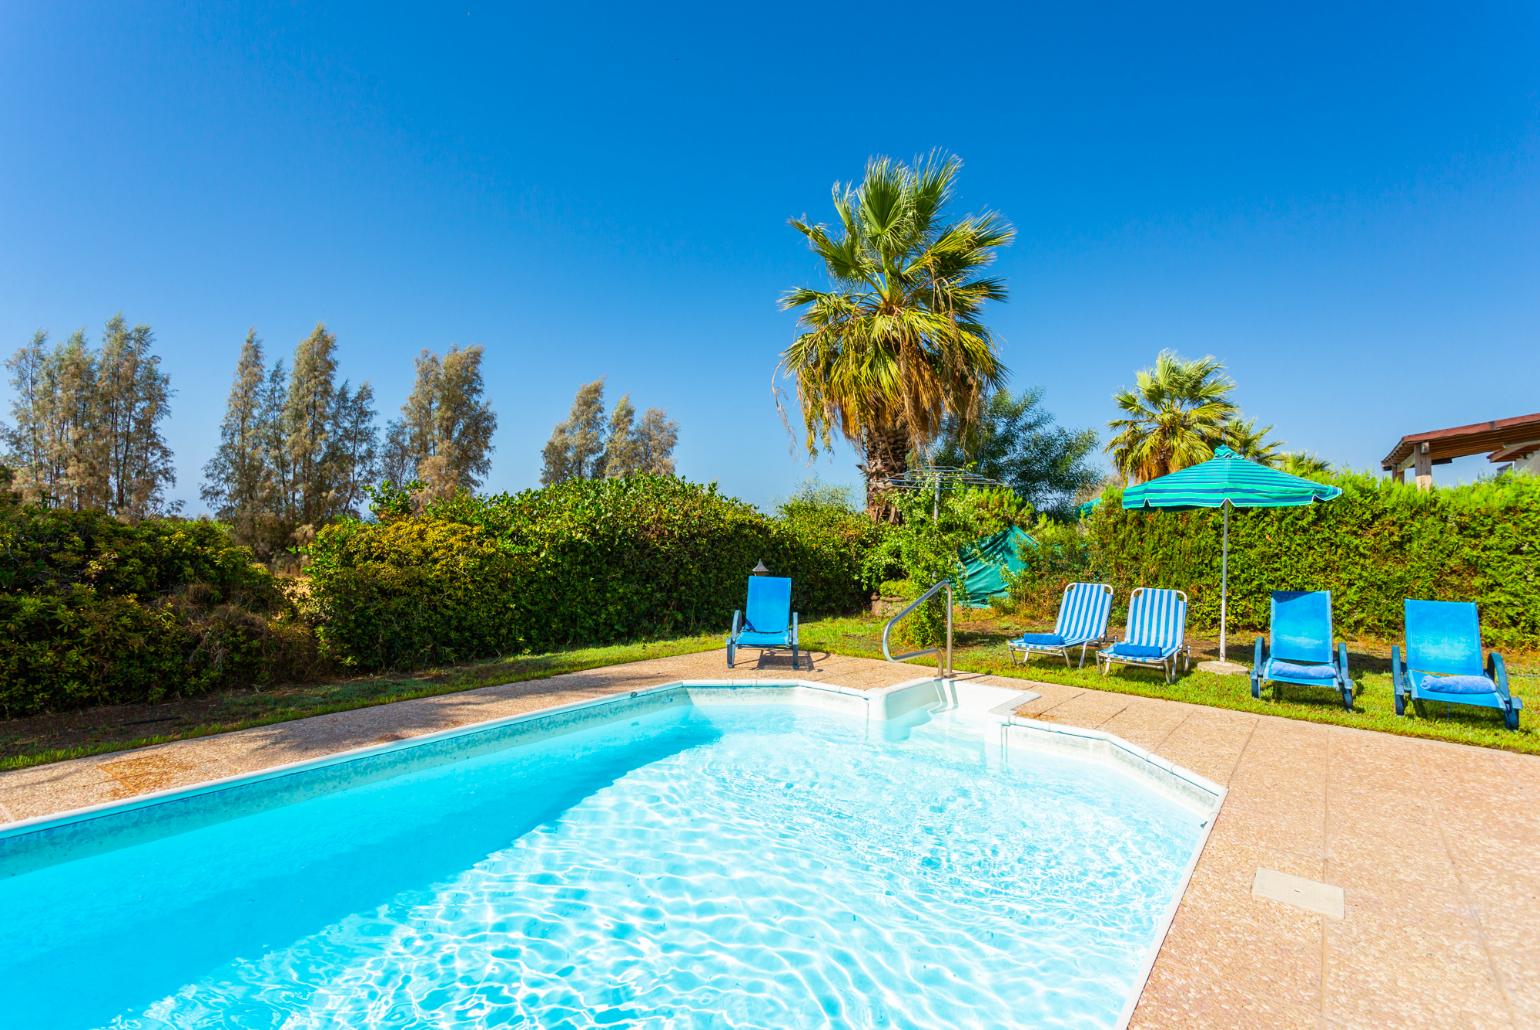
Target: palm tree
[(1244, 438), (897, 342), (1178, 412), (1304, 464)]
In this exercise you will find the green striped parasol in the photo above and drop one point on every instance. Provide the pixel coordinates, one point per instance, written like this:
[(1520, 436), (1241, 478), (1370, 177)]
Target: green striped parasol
[(1227, 481)]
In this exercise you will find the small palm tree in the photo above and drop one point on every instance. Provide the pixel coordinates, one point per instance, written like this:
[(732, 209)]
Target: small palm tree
[(1244, 438), (1177, 413), (897, 342), (1304, 464)]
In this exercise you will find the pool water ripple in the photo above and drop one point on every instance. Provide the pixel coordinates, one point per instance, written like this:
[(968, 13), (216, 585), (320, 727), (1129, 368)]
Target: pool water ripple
[(729, 865)]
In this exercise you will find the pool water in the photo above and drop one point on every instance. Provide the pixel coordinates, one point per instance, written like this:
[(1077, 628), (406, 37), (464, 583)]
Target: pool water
[(754, 865)]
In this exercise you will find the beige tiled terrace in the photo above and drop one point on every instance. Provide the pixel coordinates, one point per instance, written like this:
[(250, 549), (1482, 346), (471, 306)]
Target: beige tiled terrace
[(1434, 844)]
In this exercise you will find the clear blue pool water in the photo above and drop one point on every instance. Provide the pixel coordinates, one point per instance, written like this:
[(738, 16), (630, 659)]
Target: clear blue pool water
[(754, 865)]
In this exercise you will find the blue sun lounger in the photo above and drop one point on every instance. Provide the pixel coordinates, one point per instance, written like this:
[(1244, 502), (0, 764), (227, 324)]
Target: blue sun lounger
[(1443, 661), (1082, 622), (766, 620), (1155, 636), (1299, 650)]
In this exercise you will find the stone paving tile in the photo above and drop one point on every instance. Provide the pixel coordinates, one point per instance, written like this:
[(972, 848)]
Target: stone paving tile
[(1146, 724), (1432, 842), (1089, 708), (1209, 742)]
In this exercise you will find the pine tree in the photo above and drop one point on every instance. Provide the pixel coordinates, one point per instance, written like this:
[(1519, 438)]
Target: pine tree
[(583, 447), (87, 431), (31, 405), (275, 446), (655, 441), (133, 398), (352, 459), (308, 412), (409, 439), (622, 450), (76, 443), (577, 445), (239, 481), (464, 423), (444, 436)]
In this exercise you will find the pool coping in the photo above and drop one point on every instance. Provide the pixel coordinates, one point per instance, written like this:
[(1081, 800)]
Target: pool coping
[(1154, 772)]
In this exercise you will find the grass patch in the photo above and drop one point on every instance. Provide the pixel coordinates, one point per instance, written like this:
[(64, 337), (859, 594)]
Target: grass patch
[(979, 646), (53, 738)]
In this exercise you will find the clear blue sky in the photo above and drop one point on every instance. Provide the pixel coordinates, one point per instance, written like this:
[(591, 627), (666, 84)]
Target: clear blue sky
[(1342, 204)]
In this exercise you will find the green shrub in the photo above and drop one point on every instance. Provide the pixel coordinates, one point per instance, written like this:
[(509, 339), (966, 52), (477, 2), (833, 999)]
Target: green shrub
[(923, 546), (98, 611), (413, 591), (1377, 544), (579, 562)]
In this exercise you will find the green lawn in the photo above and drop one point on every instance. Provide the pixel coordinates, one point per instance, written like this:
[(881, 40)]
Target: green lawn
[(979, 646), (53, 738)]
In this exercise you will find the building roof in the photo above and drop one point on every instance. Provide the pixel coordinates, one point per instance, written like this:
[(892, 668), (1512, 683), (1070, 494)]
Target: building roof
[(1501, 437)]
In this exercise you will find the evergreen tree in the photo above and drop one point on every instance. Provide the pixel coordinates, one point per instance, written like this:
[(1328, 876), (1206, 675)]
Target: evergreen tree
[(622, 449), (1014, 439), (133, 399), (328, 438), (576, 446), (275, 447), (33, 472), (352, 459), (409, 439), (444, 435), (76, 442), (87, 432), (240, 480), (655, 440)]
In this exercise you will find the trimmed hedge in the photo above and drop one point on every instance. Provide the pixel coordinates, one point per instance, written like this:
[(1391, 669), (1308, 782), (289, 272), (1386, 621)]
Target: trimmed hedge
[(580, 562), (97, 611), (1374, 546)]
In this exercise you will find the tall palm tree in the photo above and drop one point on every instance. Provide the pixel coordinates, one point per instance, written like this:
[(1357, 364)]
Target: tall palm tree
[(1177, 413), (897, 342), (1245, 439)]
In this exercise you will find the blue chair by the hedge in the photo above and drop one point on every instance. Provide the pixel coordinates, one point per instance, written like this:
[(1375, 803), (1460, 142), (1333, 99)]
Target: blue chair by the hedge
[(1082, 622), (1156, 634), (1299, 649), (1443, 661), (766, 620)]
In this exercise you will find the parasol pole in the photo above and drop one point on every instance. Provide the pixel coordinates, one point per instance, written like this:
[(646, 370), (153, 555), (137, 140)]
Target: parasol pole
[(1224, 578)]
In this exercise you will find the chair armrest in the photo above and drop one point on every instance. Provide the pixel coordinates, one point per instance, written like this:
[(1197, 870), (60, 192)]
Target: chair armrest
[(1499, 672), (1397, 676), (1342, 662), (1256, 658), (737, 623), (793, 627)]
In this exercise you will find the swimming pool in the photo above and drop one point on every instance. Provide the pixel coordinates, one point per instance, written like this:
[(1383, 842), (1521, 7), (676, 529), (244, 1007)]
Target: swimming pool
[(683, 858)]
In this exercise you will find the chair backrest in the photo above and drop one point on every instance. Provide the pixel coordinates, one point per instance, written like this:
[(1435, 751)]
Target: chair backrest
[(768, 609), (1157, 618), (1444, 637), (1302, 626), (1083, 612)]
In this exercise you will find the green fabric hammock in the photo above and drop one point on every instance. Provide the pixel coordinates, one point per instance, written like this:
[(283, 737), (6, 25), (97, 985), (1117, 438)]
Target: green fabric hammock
[(985, 561)]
